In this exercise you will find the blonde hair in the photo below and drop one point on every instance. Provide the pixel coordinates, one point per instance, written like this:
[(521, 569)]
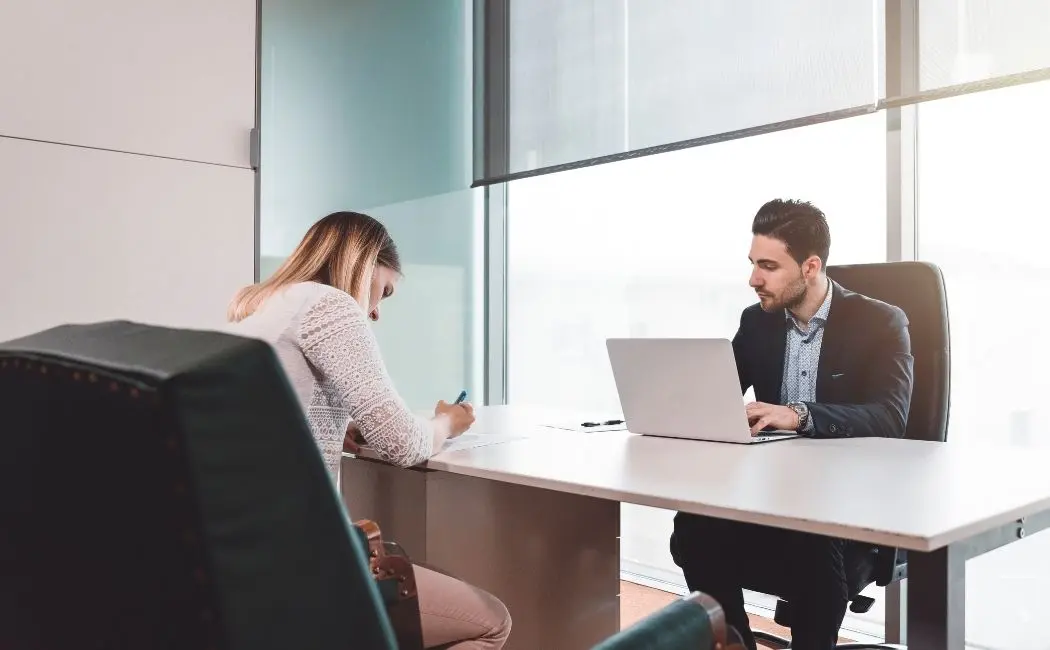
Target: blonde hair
[(341, 250)]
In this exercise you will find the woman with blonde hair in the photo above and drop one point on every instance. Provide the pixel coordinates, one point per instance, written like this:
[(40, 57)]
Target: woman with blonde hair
[(314, 311)]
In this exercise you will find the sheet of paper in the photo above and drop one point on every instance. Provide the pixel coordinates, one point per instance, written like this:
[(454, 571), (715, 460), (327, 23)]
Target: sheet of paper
[(473, 440)]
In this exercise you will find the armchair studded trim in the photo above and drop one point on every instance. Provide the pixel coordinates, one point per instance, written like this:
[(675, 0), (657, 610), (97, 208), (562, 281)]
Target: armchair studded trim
[(396, 579)]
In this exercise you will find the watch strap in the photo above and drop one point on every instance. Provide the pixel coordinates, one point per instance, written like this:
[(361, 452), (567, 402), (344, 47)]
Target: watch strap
[(802, 411)]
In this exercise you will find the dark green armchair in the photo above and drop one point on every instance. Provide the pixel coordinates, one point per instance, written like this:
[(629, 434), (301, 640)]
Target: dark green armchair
[(160, 489), (695, 622)]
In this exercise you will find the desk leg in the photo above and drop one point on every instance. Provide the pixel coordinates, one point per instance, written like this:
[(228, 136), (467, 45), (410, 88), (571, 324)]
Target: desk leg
[(936, 599), (896, 612)]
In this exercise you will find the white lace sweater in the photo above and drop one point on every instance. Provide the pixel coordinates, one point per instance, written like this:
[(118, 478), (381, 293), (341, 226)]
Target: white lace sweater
[(326, 345)]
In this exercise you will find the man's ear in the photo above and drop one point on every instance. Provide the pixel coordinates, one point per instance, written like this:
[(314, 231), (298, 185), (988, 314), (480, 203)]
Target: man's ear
[(812, 266)]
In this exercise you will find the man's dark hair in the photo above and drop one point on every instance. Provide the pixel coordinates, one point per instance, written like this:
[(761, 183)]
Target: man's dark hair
[(799, 224)]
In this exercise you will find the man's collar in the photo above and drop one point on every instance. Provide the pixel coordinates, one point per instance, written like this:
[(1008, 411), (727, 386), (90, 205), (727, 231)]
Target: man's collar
[(822, 314)]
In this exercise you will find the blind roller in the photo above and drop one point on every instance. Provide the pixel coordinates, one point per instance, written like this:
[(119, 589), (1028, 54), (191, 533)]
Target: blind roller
[(598, 78)]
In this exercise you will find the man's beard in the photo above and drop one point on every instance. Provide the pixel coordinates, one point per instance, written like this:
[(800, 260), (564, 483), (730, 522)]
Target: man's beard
[(791, 297)]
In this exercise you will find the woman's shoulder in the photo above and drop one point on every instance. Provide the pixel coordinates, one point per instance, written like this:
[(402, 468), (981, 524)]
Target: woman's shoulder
[(313, 292), (322, 299)]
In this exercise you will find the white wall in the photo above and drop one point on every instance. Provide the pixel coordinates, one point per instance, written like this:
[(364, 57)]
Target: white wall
[(125, 185)]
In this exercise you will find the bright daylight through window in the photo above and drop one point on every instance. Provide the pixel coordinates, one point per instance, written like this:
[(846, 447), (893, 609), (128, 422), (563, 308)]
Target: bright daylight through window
[(657, 246)]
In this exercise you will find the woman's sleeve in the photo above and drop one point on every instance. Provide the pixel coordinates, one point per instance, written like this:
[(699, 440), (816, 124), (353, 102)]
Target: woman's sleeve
[(337, 340)]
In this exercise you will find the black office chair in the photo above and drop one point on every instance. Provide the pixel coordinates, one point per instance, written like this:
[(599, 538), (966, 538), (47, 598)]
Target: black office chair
[(161, 489), (918, 289)]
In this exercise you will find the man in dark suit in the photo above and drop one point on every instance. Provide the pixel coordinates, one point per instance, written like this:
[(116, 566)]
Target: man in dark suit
[(825, 362)]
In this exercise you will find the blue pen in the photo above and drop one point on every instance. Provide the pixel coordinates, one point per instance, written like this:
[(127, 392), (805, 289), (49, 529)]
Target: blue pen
[(461, 398)]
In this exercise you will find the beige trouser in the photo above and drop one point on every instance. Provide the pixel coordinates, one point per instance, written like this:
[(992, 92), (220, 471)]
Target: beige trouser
[(457, 616)]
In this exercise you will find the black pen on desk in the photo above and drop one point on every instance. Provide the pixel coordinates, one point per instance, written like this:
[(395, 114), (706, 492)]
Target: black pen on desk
[(462, 397)]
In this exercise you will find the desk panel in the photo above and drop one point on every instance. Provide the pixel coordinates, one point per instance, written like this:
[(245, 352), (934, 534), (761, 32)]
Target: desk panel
[(552, 557)]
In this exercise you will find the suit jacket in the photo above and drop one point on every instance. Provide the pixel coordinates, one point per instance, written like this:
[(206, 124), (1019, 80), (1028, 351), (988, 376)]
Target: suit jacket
[(865, 373)]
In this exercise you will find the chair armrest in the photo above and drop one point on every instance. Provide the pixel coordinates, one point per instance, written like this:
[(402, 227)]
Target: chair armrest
[(396, 579), (695, 622), (890, 565)]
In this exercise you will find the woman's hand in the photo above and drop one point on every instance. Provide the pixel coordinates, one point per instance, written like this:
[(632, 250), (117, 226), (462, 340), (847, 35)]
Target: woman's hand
[(460, 416), (353, 440)]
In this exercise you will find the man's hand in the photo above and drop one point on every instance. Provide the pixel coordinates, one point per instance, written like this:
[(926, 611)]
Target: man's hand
[(761, 416), (353, 440)]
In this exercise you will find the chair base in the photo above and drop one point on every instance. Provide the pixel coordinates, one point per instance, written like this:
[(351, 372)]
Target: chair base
[(772, 640), (782, 616)]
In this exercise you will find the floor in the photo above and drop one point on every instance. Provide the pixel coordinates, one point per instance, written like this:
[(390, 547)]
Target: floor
[(637, 602)]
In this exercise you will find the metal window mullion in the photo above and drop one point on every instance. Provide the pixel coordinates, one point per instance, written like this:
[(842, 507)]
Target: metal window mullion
[(492, 158), (901, 78), (496, 295), (901, 69)]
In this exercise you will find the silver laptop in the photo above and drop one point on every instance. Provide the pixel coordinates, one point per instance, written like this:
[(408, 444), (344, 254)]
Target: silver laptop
[(682, 388)]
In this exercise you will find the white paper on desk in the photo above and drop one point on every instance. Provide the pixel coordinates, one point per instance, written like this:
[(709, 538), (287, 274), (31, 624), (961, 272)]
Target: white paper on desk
[(474, 440), (578, 426)]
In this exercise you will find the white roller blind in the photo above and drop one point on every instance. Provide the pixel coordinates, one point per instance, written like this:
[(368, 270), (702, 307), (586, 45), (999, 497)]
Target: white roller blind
[(595, 78), (963, 41)]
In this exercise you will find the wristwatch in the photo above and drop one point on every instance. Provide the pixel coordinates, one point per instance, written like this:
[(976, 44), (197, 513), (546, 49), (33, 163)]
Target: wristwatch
[(802, 411)]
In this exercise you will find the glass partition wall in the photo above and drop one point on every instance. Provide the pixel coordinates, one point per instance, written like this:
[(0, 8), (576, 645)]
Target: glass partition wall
[(366, 106)]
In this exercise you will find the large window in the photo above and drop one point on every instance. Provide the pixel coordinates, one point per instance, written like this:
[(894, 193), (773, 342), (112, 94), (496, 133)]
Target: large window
[(982, 216), (658, 246)]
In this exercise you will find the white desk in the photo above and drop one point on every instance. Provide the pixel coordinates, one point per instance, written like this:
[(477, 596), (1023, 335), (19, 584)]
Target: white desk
[(536, 520)]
